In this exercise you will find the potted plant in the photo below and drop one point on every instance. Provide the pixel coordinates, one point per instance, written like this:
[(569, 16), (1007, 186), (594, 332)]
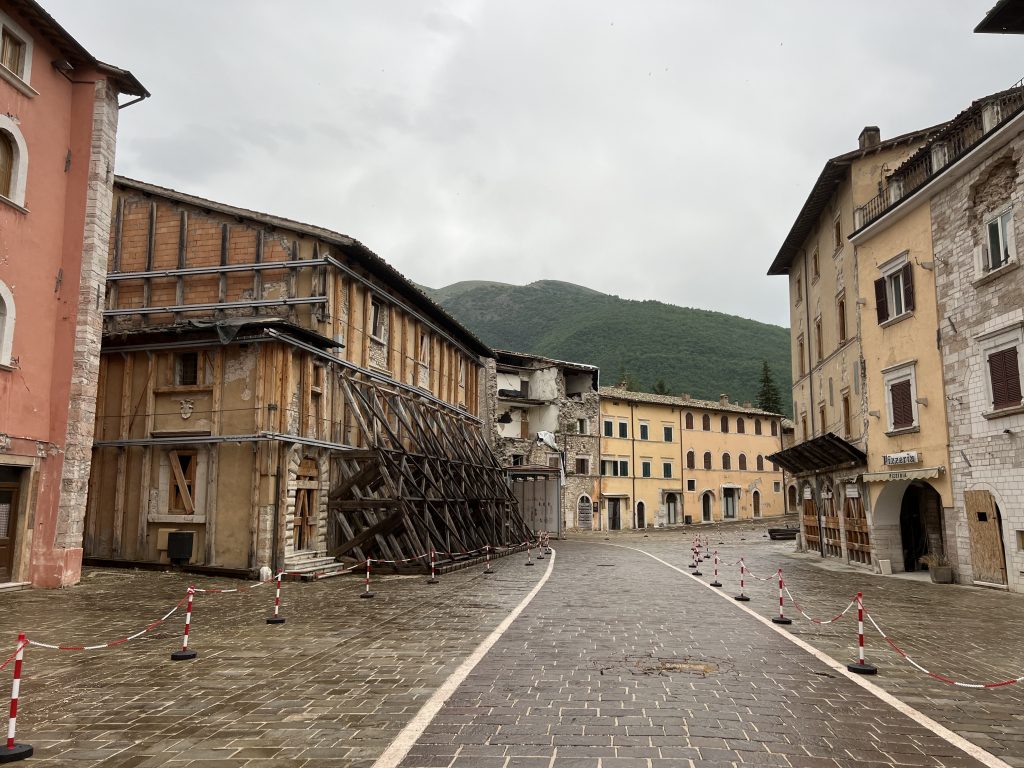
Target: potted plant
[(939, 568)]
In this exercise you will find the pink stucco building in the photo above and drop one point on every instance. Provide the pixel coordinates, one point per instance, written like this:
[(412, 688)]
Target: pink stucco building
[(58, 125)]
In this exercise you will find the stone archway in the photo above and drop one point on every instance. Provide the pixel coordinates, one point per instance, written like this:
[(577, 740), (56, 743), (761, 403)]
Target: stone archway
[(641, 515), (907, 524)]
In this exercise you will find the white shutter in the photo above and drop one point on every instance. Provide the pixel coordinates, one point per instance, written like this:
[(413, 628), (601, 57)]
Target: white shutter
[(1011, 237)]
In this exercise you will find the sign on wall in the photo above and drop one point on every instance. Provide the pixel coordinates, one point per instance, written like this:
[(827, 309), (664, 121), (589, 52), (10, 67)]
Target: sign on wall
[(896, 459), (584, 514)]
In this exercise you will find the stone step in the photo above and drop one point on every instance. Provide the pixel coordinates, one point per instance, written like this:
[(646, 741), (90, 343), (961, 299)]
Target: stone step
[(318, 569), (14, 586)]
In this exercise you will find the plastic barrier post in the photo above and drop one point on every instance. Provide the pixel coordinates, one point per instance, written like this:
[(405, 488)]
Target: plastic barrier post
[(13, 751), (433, 568), (186, 653), (741, 596), (367, 593), (277, 618), (529, 558), (547, 544), (693, 556), (487, 558), (781, 618), (716, 582), (696, 560), (540, 546), (861, 667)]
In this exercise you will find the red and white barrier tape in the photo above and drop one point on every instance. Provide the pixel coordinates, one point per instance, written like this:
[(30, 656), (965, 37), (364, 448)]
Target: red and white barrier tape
[(940, 678), (112, 643), (811, 619), (13, 656)]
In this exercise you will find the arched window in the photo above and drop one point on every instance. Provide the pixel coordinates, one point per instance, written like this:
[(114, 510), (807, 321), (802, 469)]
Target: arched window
[(7, 317), (691, 460), (740, 426), (689, 421), (760, 463), (743, 461), (756, 496), (706, 423), (13, 161), (725, 423), (726, 461), (775, 429), (757, 426), (707, 460)]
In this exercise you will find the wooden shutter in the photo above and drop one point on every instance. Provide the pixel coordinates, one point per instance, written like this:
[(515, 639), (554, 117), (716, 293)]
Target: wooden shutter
[(881, 300), (6, 165), (902, 406), (908, 287), (1005, 375)]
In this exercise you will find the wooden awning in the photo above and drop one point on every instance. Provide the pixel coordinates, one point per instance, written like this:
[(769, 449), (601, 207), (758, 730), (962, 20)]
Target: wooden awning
[(828, 451), (917, 473)]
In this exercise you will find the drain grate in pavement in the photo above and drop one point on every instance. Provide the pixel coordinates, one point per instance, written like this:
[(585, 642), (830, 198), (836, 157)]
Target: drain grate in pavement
[(606, 565)]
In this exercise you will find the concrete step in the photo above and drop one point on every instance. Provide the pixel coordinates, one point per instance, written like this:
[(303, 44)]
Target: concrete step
[(14, 586), (320, 568)]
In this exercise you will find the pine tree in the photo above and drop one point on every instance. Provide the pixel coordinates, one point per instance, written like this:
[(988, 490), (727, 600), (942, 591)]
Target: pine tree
[(768, 398), (626, 379), (661, 388)]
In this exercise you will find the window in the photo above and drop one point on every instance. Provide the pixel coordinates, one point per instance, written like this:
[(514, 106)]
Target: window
[(800, 354), (777, 486), (837, 234), (623, 429), (803, 425), (378, 323), (815, 273), (614, 467), (726, 461), (691, 485), (799, 290), (517, 459), (13, 161), (757, 426), (667, 434), (13, 53), (743, 461), (186, 369), (999, 249), (689, 421), (183, 481), (841, 318), (847, 431), (1003, 369), (582, 426), (775, 429), (894, 290), (741, 426), (707, 460), (821, 419), (7, 154), (609, 428), (666, 469), (706, 423), (691, 460), (645, 468), (623, 468), (582, 465), (819, 344), (775, 467), (900, 395), (725, 424), (644, 430), (7, 317), (760, 463)]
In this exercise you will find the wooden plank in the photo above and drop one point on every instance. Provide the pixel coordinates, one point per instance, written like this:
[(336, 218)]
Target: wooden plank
[(988, 562), (179, 476), (384, 526), (360, 504)]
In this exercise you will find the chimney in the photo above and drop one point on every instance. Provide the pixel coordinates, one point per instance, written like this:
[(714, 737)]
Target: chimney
[(746, 404), (869, 137), (686, 395), (723, 399)]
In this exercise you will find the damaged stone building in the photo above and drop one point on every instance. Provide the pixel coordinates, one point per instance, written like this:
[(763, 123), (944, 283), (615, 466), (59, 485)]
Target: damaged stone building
[(275, 394), (543, 427)]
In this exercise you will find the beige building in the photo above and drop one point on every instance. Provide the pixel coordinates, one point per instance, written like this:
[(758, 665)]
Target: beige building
[(669, 460), (831, 382)]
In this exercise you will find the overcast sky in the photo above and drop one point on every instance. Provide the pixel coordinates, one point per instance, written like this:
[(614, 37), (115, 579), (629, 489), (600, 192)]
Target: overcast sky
[(649, 149)]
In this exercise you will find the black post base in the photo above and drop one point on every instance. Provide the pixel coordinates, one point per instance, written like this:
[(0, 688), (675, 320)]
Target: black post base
[(862, 669), (697, 573), (433, 580), (275, 619), (742, 598), (183, 655), (17, 752), (716, 583), (488, 571), (540, 557), (366, 595), (781, 620), (528, 562), (548, 550)]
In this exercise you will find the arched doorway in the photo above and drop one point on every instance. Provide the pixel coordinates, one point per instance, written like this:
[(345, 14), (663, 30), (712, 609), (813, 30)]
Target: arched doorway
[(641, 510), (907, 524), (706, 502), (912, 532), (584, 513), (672, 508), (792, 498), (614, 514), (756, 500)]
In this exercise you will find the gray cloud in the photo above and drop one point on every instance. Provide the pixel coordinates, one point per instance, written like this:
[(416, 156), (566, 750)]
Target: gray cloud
[(653, 150)]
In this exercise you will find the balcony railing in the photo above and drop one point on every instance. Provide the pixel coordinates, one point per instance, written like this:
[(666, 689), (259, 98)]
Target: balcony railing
[(959, 138)]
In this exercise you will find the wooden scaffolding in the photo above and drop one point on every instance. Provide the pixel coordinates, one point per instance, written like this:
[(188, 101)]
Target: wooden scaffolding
[(424, 480)]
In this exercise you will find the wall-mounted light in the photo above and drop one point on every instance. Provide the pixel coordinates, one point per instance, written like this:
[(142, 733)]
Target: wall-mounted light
[(876, 414), (929, 265), (862, 302), (921, 400)]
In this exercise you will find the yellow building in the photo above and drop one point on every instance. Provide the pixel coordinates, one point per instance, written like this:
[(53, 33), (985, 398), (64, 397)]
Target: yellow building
[(668, 460)]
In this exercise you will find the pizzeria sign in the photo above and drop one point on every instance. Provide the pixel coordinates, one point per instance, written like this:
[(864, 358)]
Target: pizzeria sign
[(898, 459)]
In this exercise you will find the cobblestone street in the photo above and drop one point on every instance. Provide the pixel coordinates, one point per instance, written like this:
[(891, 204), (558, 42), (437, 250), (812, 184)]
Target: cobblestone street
[(618, 661)]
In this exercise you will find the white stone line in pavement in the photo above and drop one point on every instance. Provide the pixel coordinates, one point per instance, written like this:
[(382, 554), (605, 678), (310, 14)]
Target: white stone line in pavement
[(408, 736), (958, 741)]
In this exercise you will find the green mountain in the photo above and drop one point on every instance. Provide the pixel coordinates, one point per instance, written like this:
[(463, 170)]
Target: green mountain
[(695, 351)]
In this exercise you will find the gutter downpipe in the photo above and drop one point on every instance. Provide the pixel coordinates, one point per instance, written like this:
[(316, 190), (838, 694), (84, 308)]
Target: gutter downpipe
[(810, 407), (632, 459), (682, 470)]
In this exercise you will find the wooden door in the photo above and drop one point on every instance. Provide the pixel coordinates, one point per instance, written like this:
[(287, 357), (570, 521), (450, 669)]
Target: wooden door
[(983, 525), (307, 507), (8, 527)]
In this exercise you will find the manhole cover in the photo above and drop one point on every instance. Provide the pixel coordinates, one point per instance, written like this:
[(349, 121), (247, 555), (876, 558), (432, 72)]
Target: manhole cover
[(605, 565), (653, 665)]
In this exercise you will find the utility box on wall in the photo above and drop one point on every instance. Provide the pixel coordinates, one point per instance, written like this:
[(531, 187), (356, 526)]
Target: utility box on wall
[(179, 546)]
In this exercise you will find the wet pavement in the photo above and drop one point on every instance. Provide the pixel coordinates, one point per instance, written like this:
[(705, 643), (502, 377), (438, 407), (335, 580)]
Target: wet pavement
[(619, 661)]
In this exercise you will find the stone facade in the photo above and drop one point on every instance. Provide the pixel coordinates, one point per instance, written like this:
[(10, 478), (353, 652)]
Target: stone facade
[(982, 310)]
